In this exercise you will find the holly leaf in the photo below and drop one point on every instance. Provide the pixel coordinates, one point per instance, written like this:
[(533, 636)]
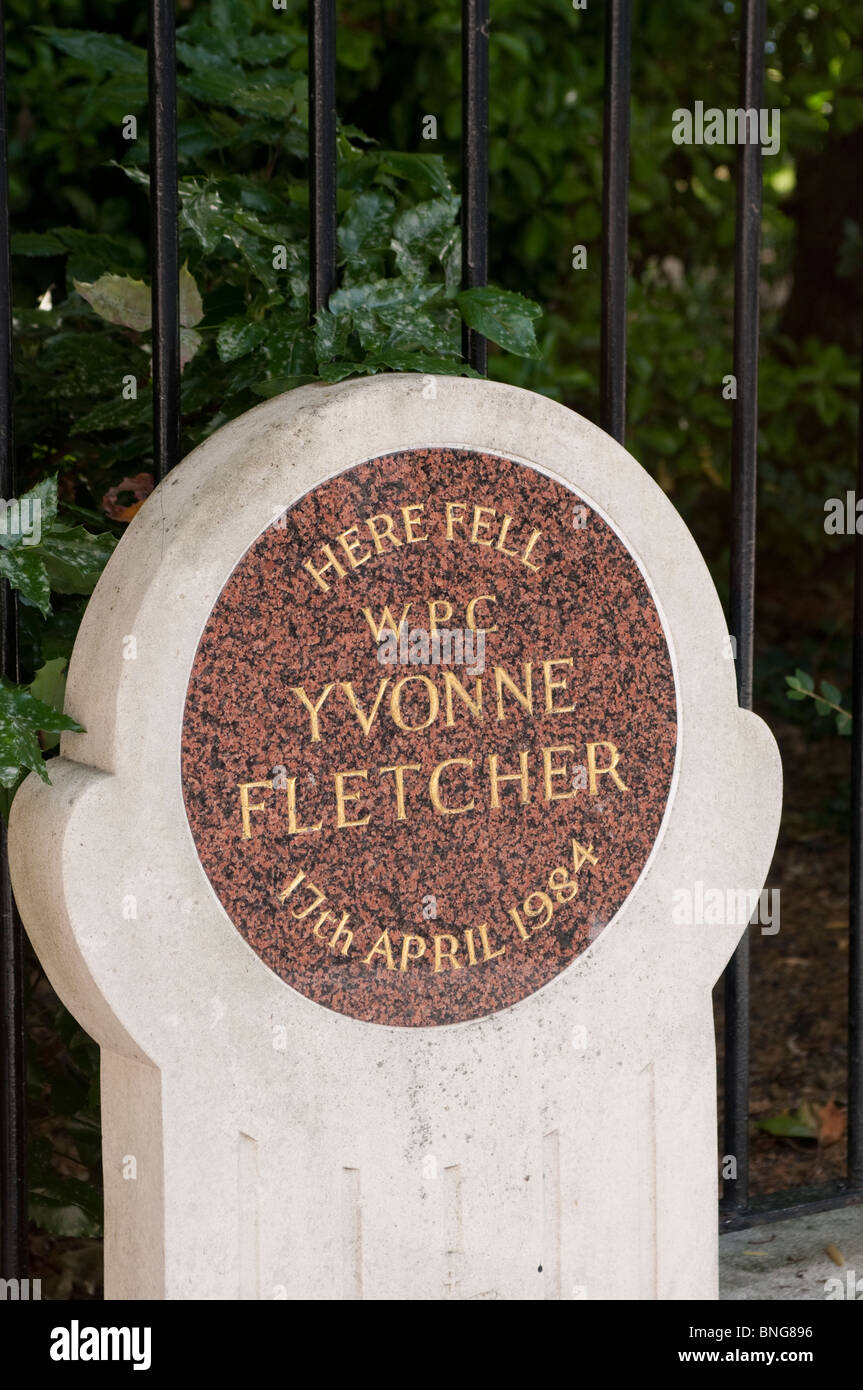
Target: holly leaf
[(331, 334), (74, 557), (423, 362), (367, 224), (25, 569), (34, 513), (237, 337), (503, 316), (22, 717), (428, 170)]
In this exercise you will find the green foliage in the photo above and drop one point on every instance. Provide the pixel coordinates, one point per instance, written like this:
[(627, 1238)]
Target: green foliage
[(827, 699), (84, 346), (243, 287), (801, 1123), (64, 1152), (81, 276), (22, 716)]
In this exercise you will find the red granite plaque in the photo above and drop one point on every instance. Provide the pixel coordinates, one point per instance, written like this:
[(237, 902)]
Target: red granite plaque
[(429, 736)]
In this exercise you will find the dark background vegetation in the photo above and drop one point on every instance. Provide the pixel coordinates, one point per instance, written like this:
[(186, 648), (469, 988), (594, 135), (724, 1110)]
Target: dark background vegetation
[(80, 212)]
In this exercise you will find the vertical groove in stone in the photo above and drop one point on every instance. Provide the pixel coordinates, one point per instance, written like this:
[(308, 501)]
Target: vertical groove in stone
[(248, 1210), (352, 1235), (453, 1230), (645, 1178), (551, 1215)]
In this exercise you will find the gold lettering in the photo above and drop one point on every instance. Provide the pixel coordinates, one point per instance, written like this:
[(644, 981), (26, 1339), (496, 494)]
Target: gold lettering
[(471, 949), (440, 952), (387, 621), (593, 771), (400, 769), (516, 917), (501, 679), (342, 796), (385, 534), (307, 911), (454, 518), (336, 934), (349, 936), (395, 703), (471, 612), (499, 545), (407, 953), (350, 547), (314, 710), (487, 952), (293, 827), (286, 893), (246, 806), (410, 522), (434, 788), (535, 535), (332, 564), (452, 683), (551, 685), (366, 721), (320, 922), (549, 771), (438, 608), (498, 778), (382, 947), (479, 524)]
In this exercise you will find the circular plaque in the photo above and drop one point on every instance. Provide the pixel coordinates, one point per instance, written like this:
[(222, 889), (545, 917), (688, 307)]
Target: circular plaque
[(429, 736)]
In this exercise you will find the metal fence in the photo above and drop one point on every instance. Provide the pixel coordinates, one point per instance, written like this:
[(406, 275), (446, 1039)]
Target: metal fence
[(737, 1209)]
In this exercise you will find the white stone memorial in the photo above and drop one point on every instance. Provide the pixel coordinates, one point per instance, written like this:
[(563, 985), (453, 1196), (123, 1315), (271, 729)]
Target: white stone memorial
[(410, 724)]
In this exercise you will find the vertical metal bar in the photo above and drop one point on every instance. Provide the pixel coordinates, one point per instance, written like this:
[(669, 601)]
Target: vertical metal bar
[(474, 164), (744, 453), (615, 216), (322, 152), (855, 945), (13, 1154), (165, 250)]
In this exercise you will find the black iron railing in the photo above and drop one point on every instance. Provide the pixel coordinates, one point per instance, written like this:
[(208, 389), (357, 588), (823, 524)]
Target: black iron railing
[(13, 1119), (738, 1210)]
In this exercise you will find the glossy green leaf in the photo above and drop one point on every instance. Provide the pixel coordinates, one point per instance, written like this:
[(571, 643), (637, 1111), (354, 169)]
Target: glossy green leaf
[(503, 316), (22, 716), (74, 557)]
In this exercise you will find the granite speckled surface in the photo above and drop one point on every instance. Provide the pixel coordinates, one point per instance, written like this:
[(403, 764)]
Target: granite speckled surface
[(436, 878)]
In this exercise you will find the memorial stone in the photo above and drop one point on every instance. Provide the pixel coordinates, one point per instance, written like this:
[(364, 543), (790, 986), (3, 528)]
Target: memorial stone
[(408, 709)]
